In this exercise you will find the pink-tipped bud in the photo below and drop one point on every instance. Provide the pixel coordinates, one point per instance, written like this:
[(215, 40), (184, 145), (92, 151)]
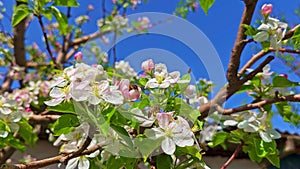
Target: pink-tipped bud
[(284, 75), (78, 56), (148, 65), (266, 9), (90, 7), (28, 110), (113, 1)]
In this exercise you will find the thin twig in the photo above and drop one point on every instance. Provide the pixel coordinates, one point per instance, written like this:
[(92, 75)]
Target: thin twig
[(268, 101), (235, 153), (114, 49), (228, 91), (46, 38)]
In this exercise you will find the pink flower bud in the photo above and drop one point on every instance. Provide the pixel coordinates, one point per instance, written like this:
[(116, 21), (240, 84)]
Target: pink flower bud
[(28, 110), (148, 65), (78, 56), (266, 9), (284, 75), (195, 5), (114, 1), (90, 7)]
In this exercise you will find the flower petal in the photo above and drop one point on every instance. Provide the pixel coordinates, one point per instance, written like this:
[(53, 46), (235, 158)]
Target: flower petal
[(72, 163), (54, 102), (168, 146), (84, 163)]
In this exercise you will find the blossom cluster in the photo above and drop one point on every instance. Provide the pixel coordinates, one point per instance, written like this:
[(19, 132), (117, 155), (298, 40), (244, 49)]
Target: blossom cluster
[(17, 105), (253, 122), (82, 82), (271, 29)]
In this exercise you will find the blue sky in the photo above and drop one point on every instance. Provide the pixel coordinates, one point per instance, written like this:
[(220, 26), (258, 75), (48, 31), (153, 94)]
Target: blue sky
[(220, 27)]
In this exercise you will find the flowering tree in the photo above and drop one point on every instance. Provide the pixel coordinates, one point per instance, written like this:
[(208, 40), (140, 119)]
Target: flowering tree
[(106, 115)]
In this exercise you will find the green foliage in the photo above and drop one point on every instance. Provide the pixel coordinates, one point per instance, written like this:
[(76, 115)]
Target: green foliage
[(190, 150), (61, 19), (146, 146), (287, 113), (121, 162), (250, 30), (64, 107), (257, 149), (26, 132), (65, 124), (10, 140), (163, 162), (296, 38), (20, 13), (69, 3), (279, 81), (206, 4), (219, 139)]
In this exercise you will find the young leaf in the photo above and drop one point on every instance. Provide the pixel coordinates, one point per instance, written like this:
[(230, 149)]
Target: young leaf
[(279, 81), (191, 150), (61, 19), (69, 3), (250, 30), (163, 162), (65, 124), (218, 138), (64, 107), (20, 13), (206, 4), (25, 131)]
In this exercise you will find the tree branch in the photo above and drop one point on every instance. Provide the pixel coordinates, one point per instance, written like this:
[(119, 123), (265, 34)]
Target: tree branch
[(235, 153), (6, 153), (291, 32), (86, 38), (261, 54), (289, 98), (53, 160), (228, 91), (43, 118), (238, 47)]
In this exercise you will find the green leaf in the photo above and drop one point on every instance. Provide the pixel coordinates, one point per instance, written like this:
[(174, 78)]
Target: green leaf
[(64, 107), (191, 150), (274, 160), (20, 13), (279, 81), (186, 79), (25, 131), (186, 110), (146, 146), (218, 139), (15, 143), (26, 1), (61, 19), (145, 102), (70, 3), (163, 162), (4, 126), (123, 134), (296, 38), (250, 30), (65, 124), (265, 45), (206, 4)]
